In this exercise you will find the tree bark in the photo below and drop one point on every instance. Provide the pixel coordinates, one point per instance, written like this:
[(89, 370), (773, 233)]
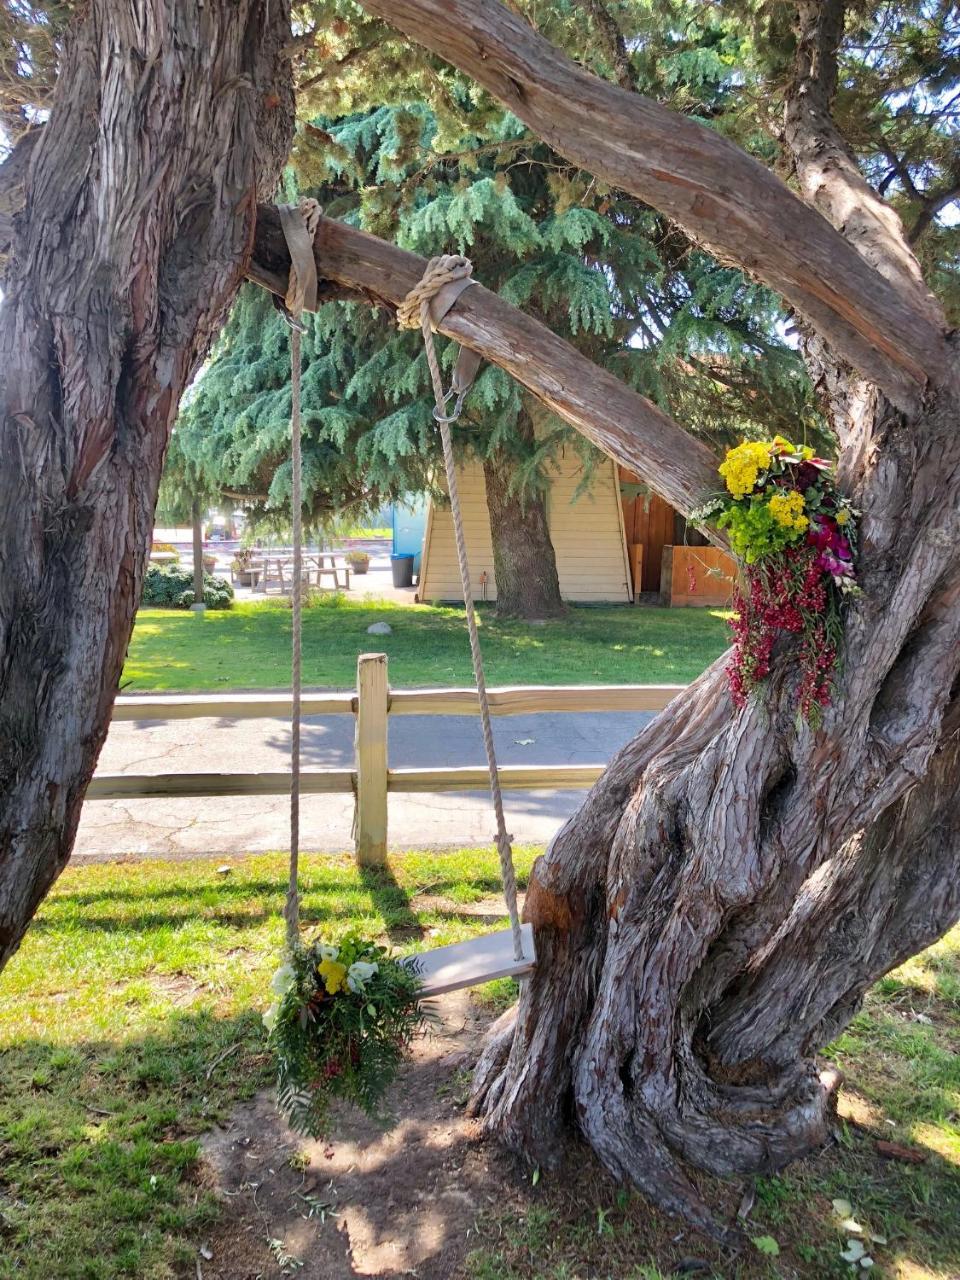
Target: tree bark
[(170, 119), (622, 423), (726, 200), (197, 520), (524, 561), (731, 887), (733, 884)]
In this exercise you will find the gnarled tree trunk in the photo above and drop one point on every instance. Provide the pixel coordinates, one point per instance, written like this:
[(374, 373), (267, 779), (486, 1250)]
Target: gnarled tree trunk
[(170, 118), (733, 884)]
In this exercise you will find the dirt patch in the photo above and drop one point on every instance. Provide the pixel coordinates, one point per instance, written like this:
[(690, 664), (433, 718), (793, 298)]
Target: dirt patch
[(179, 988), (379, 1200)]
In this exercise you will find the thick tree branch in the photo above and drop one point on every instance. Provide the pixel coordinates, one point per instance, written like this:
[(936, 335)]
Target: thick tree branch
[(828, 172), (13, 174), (730, 202), (621, 422), (932, 204)]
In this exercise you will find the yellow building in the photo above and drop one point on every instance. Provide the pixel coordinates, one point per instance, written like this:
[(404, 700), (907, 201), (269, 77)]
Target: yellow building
[(587, 533), (613, 541)]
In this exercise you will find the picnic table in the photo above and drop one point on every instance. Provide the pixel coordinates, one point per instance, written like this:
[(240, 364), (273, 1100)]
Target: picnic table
[(316, 566)]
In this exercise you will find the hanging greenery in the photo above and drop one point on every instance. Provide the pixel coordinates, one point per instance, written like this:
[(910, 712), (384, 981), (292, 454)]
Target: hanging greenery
[(796, 535), (343, 1017)]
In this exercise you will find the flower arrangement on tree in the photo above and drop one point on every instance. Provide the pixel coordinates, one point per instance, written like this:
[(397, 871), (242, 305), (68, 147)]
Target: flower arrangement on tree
[(796, 535), (342, 1018)]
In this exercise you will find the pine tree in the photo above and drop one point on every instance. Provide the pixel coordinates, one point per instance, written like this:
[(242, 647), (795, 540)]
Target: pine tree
[(599, 267)]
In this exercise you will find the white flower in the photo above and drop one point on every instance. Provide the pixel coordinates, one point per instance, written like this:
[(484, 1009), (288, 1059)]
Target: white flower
[(359, 974), (283, 980), (327, 952), (270, 1017)]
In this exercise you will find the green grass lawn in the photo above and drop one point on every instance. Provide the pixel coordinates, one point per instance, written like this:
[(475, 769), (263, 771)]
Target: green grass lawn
[(129, 1025), (248, 646)]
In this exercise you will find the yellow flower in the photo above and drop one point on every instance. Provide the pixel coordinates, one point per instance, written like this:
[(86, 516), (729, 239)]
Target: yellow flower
[(742, 465), (807, 453), (783, 444), (333, 975), (843, 516), (787, 510)]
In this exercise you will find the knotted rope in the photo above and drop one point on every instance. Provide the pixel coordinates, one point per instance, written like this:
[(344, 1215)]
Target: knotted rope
[(299, 224), (452, 273)]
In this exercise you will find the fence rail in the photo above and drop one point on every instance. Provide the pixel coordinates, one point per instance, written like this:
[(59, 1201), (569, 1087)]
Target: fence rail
[(508, 700), (372, 779)]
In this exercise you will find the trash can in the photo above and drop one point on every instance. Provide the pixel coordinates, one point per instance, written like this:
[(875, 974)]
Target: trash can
[(402, 567)]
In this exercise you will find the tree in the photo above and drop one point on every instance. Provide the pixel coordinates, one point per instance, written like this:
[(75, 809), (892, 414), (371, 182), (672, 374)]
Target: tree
[(184, 497), (733, 884), (597, 267), (134, 215)]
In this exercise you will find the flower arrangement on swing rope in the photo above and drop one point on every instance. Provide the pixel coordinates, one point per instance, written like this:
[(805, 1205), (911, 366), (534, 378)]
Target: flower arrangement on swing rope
[(343, 1016), (796, 536)]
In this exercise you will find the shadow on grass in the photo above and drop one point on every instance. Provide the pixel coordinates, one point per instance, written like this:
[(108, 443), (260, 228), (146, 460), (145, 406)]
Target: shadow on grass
[(102, 1177), (394, 903), (103, 1173), (99, 1152)]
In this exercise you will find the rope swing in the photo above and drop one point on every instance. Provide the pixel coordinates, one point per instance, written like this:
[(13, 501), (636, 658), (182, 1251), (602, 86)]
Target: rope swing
[(299, 228), (426, 304), (445, 278)]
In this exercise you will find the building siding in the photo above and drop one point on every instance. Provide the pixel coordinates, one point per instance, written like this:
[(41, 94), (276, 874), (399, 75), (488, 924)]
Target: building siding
[(587, 536)]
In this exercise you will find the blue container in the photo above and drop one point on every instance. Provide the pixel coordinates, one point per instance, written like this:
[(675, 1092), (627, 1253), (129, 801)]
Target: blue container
[(409, 526)]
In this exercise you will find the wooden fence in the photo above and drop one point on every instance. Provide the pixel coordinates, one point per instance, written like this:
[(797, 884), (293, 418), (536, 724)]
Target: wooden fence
[(371, 779)]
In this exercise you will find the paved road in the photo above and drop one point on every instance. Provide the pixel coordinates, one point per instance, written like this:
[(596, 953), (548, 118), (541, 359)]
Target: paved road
[(221, 826)]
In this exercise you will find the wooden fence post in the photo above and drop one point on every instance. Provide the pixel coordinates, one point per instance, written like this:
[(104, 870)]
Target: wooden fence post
[(371, 758)]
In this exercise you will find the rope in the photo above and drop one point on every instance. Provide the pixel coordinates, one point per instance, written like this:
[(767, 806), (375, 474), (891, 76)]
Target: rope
[(447, 269), (302, 290), (292, 911), (415, 308)]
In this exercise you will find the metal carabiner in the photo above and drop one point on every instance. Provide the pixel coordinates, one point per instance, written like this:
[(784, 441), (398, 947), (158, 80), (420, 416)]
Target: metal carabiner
[(297, 325), (457, 408)]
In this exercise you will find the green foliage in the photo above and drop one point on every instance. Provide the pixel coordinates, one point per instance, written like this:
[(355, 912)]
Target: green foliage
[(410, 150), (344, 1016), (170, 587), (754, 532)]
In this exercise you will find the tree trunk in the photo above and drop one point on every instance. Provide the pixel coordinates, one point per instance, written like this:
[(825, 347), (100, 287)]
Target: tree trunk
[(733, 885), (197, 516), (524, 561), (170, 119)]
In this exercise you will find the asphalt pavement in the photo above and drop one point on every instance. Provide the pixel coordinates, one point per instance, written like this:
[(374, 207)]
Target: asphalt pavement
[(221, 826)]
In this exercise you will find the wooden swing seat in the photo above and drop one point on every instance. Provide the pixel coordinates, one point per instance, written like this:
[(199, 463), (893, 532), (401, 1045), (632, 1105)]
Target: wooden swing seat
[(479, 960), (470, 963)]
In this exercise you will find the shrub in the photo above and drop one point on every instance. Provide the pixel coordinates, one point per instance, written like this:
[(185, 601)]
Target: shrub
[(170, 587), (166, 547), (358, 560), (326, 600)]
